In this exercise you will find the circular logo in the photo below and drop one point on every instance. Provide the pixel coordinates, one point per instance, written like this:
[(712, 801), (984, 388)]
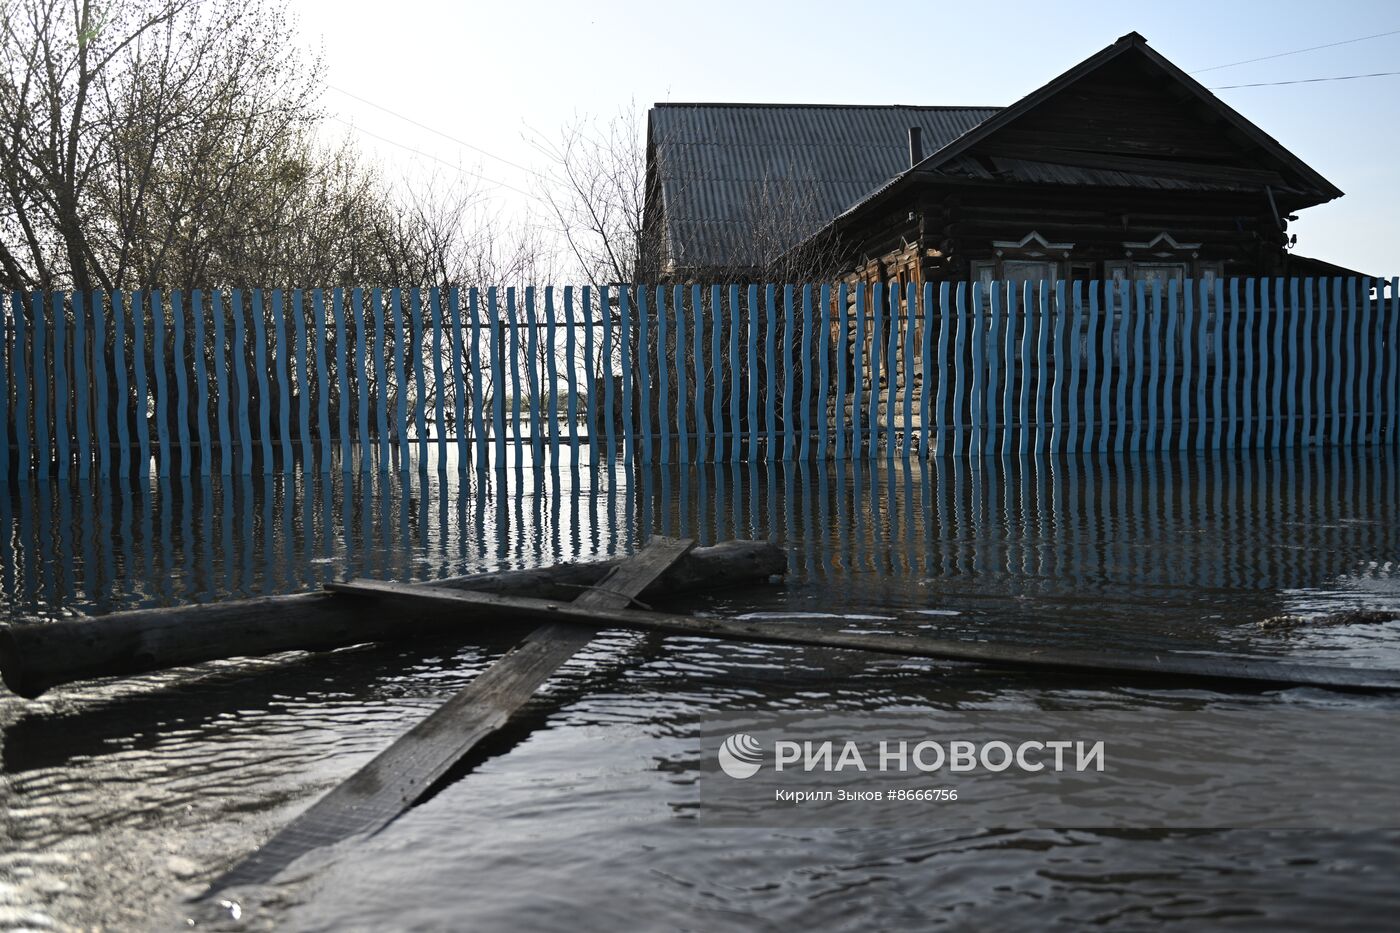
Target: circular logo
[(740, 756)]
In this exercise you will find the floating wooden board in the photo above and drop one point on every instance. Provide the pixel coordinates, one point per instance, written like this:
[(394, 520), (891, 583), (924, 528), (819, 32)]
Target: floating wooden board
[(1184, 669), (398, 776)]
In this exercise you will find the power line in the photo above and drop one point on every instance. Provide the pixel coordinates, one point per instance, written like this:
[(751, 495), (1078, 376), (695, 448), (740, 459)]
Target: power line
[(1311, 48), (1377, 74), (428, 155), (450, 138)]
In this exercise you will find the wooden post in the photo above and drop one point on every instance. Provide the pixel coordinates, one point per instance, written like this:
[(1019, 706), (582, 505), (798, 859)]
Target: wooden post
[(397, 777)]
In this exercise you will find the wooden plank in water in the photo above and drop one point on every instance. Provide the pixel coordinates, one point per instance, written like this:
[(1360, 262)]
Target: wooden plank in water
[(1182, 668), (397, 777)]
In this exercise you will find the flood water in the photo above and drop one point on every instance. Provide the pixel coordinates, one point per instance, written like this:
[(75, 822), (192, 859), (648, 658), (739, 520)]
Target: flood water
[(122, 797)]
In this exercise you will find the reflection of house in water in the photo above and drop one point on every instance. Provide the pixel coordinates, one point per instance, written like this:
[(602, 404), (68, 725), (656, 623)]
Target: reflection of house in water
[(1123, 166)]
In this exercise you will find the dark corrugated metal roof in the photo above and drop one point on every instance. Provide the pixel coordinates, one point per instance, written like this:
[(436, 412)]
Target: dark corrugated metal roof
[(741, 183)]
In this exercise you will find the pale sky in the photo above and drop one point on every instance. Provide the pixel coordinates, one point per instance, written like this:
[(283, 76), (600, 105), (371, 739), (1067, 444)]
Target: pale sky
[(489, 74)]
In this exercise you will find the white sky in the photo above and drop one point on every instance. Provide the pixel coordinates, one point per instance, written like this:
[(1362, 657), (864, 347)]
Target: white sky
[(490, 73)]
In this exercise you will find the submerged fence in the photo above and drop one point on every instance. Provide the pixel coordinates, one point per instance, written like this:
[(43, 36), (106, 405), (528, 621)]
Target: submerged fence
[(358, 380)]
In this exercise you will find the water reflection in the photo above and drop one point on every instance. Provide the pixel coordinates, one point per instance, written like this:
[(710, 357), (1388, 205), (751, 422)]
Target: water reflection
[(1163, 552), (1124, 525)]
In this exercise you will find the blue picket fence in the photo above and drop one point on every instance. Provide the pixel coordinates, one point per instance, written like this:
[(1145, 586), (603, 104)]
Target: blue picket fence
[(383, 379)]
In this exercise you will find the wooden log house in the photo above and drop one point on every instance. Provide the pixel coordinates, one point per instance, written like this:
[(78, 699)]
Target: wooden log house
[(1122, 167)]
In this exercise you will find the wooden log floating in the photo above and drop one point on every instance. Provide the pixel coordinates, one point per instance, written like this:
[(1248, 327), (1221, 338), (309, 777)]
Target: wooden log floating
[(1183, 669), (397, 777), (37, 656)]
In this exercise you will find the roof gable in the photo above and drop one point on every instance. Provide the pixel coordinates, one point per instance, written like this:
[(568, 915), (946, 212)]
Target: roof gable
[(1127, 116)]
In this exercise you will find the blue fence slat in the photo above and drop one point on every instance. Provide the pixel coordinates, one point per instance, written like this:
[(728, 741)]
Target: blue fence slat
[(226, 401), (789, 412), (22, 397), (1347, 357), (550, 401), (1196, 307), (381, 383), (1003, 302), (977, 414), (532, 357), (342, 379), (606, 367), (498, 373), (643, 371), (770, 369), (1239, 387), (242, 399), (201, 382), (958, 410), (715, 382), (805, 360), (705, 452), (877, 352), (260, 368), (1393, 364), (1218, 362), (1330, 311), (177, 360), (1168, 441), (361, 382), (284, 388), (1288, 368), (1378, 366), (1308, 386), (162, 393), (926, 318), (1248, 387), (1102, 415), (1058, 356), (1075, 329), (62, 392), (1094, 436), (734, 387), (1191, 367), (570, 370), (320, 324), (891, 368), (299, 355), (82, 386), (662, 378), (1267, 325), (945, 350), (753, 321), (459, 387), (911, 317), (101, 399), (1276, 311), (43, 458), (624, 343), (711, 425), (843, 351), (439, 388), (1154, 349), (478, 370), (1030, 321), (1042, 379), (141, 401), (682, 397), (1363, 346), (1053, 414), (858, 372), (1137, 363), (1124, 318)]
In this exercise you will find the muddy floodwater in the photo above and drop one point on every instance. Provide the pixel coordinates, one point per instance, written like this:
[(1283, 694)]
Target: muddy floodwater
[(121, 798)]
